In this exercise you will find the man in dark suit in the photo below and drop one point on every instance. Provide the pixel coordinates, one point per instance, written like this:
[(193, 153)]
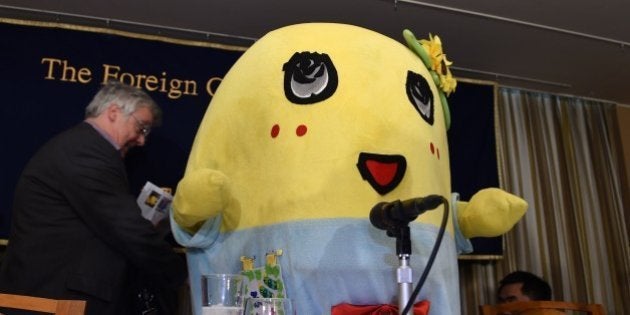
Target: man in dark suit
[(77, 232)]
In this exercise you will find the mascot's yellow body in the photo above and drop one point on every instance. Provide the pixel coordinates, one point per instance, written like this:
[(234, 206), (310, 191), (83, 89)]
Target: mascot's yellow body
[(313, 126)]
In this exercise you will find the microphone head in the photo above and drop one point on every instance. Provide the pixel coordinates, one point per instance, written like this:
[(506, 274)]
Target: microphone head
[(379, 217), (397, 214)]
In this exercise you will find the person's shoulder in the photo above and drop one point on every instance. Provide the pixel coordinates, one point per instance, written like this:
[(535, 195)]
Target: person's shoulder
[(82, 128), (80, 137), (82, 131)]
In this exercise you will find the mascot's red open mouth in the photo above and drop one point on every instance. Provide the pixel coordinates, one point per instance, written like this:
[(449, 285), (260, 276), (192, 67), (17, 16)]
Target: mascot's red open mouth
[(383, 172)]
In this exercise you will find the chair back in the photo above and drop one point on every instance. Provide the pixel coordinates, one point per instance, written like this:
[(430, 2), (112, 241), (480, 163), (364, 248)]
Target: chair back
[(51, 306), (522, 306)]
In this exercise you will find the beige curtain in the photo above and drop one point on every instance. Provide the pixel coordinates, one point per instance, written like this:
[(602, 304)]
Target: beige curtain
[(564, 156)]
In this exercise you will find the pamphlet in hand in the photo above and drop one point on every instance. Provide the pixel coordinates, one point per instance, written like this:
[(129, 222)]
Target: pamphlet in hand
[(154, 202)]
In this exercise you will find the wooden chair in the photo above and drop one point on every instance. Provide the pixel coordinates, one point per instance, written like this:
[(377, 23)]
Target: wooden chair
[(31, 303), (521, 306)]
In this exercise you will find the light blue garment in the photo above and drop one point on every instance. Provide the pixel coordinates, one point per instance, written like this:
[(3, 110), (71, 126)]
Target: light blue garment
[(327, 262), (464, 245)]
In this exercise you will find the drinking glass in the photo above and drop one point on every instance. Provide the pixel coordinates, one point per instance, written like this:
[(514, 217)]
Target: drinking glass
[(222, 294), (268, 306)]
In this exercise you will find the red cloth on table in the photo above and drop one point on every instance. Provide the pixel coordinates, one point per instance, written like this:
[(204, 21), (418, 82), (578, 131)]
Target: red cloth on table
[(420, 308)]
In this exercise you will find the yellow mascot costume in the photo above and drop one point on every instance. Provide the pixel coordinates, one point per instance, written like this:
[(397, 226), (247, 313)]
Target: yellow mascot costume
[(315, 129)]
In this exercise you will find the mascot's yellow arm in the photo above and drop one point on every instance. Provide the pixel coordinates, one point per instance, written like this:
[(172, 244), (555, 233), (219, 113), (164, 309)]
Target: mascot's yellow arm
[(204, 194), (490, 212), (201, 195)]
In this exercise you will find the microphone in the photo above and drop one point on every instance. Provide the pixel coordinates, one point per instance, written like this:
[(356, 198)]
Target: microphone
[(397, 214)]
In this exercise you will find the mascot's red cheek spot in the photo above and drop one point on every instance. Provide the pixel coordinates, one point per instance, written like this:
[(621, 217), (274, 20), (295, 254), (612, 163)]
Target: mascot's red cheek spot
[(275, 130), (300, 130), (435, 150)]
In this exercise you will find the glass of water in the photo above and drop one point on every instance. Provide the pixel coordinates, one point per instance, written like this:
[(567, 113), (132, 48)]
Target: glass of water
[(222, 294)]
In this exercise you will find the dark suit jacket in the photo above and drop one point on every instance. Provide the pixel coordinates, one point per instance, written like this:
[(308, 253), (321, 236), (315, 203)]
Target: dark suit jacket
[(77, 231)]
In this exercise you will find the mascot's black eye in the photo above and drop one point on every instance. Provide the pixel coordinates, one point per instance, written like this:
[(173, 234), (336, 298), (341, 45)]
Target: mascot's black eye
[(309, 78), (419, 94)]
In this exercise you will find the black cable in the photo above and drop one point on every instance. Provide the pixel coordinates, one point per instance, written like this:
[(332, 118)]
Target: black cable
[(434, 251)]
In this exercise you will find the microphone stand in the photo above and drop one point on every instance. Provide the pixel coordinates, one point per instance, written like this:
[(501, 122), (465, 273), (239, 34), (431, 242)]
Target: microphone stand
[(394, 218), (404, 272)]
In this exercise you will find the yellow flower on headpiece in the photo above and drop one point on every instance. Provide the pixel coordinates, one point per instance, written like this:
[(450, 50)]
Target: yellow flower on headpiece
[(433, 47), (447, 82), (439, 63), (430, 52)]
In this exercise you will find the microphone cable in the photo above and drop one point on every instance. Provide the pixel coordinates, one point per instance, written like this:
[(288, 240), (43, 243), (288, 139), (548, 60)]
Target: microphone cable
[(434, 251)]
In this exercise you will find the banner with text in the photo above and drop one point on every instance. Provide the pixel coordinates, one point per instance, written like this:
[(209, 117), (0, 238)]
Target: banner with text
[(51, 71)]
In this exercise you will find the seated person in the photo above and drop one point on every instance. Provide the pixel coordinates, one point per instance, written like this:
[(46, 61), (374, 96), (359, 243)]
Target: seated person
[(525, 286)]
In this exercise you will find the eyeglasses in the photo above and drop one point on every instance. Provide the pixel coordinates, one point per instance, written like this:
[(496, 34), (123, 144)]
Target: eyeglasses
[(144, 129)]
